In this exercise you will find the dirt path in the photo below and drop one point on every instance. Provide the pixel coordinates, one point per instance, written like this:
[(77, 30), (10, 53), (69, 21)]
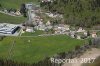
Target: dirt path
[(94, 53), (11, 49)]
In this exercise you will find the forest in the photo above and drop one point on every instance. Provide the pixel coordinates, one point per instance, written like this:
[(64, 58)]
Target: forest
[(84, 13)]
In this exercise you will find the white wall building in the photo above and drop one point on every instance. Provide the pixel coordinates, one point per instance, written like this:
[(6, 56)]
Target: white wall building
[(8, 28)]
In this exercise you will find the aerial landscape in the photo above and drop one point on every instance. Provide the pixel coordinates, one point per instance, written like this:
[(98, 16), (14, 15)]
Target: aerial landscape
[(49, 32)]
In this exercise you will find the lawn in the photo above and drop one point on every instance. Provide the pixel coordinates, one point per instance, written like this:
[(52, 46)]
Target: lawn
[(10, 19), (34, 49), (36, 33), (15, 3)]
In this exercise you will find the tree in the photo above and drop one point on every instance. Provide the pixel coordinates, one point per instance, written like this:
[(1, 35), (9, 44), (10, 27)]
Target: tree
[(23, 10), (0, 5), (1, 38), (88, 33), (83, 13)]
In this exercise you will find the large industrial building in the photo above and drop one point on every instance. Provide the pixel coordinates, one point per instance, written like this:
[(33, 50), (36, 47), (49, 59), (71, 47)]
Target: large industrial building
[(6, 28)]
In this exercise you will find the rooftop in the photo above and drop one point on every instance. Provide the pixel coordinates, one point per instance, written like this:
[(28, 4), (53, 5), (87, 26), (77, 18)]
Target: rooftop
[(7, 28)]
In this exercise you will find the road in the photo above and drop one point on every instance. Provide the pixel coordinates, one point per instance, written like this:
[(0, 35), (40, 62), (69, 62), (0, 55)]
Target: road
[(93, 54)]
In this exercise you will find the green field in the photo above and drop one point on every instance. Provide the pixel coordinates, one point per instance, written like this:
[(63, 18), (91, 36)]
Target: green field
[(15, 3), (37, 49), (36, 33), (10, 19)]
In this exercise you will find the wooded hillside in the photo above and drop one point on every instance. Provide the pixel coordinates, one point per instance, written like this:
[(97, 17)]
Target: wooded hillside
[(85, 13)]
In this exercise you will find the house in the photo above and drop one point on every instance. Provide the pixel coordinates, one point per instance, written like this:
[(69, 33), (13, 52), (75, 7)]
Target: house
[(85, 33), (40, 26), (93, 34), (61, 28), (30, 29), (72, 34), (78, 37), (17, 13), (80, 30), (48, 23), (46, 1)]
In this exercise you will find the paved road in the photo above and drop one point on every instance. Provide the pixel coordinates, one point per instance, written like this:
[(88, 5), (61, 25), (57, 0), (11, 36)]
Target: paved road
[(93, 54)]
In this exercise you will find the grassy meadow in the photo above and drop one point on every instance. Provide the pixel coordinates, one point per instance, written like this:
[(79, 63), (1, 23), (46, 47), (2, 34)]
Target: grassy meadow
[(10, 19), (36, 33), (34, 49), (16, 5)]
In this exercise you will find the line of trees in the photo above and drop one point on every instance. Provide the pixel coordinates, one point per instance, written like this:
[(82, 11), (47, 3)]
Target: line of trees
[(84, 13), (45, 62)]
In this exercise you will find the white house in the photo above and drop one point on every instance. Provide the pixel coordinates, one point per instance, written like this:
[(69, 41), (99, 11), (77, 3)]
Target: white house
[(30, 29), (85, 33), (80, 30), (78, 37), (17, 13), (94, 35)]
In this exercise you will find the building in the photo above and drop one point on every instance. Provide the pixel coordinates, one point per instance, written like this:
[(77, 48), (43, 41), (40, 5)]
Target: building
[(31, 11), (30, 29), (80, 30), (17, 13), (6, 28), (47, 0), (78, 37), (94, 35)]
